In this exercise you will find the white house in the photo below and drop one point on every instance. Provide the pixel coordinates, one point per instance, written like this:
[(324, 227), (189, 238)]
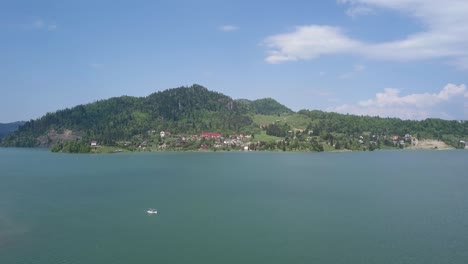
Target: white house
[(463, 144), (162, 134), (93, 143)]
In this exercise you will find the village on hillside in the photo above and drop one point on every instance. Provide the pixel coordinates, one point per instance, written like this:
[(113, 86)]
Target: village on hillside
[(295, 140), (164, 140)]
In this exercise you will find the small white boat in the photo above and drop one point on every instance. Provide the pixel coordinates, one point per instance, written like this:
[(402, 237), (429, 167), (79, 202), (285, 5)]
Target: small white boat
[(152, 211)]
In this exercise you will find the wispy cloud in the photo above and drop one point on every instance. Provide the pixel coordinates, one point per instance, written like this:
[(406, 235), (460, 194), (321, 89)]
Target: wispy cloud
[(356, 11), (324, 94), (51, 27), (39, 24), (445, 35), (96, 66), (356, 70), (390, 103), (228, 28), (466, 110), (318, 92)]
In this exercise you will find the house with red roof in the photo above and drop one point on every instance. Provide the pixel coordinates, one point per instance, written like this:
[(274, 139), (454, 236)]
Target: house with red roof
[(210, 135)]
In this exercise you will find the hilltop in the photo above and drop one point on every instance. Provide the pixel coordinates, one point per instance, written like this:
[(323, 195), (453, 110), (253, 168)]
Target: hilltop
[(186, 110), (184, 113), (266, 106)]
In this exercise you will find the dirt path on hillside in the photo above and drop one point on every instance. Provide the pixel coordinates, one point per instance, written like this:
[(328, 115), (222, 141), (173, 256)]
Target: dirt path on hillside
[(429, 144)]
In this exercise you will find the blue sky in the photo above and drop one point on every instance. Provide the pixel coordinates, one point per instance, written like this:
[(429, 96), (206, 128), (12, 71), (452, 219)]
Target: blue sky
[(403, 58)]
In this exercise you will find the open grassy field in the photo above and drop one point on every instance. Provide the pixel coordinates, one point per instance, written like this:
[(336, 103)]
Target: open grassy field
[(108, 149), (264, 137)]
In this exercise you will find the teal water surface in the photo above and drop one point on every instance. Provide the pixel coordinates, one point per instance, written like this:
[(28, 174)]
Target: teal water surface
[(368, 207)]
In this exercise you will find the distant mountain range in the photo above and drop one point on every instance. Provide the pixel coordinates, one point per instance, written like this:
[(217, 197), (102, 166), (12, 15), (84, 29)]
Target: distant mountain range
[(195, 109), (8, 128)]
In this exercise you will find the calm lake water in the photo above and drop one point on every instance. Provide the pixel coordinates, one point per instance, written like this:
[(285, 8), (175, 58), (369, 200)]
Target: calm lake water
[(380, 207)]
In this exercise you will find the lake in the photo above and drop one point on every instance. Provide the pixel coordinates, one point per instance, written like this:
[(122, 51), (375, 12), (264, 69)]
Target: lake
[(363, 207)]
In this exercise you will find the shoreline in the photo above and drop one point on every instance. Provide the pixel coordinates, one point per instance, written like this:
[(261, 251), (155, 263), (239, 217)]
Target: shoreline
[(430, 144), (239, 151), (424, 144)]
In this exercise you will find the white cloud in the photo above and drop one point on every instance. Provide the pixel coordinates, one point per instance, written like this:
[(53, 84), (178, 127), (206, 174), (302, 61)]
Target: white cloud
[(308, 42), (400, 112), (228, 28), (356, 70), (445, 35), (413, 106)]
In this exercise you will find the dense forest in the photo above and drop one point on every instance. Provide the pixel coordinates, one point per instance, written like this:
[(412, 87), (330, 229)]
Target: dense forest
[(266, 106), (195, 109)]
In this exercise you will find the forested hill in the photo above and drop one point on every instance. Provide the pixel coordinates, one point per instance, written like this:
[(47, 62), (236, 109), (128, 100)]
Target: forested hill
[(8, 128), (180, 110), (266, 106), (195, 109), (430, 128)]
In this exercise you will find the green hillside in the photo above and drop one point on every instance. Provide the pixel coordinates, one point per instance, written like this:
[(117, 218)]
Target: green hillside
[(189, 110), (266, 106), (186, 112)]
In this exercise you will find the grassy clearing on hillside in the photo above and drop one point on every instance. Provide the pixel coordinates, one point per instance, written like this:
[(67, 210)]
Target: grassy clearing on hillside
[(264, 137), (107, 149), (296, 121), (328, 148)]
